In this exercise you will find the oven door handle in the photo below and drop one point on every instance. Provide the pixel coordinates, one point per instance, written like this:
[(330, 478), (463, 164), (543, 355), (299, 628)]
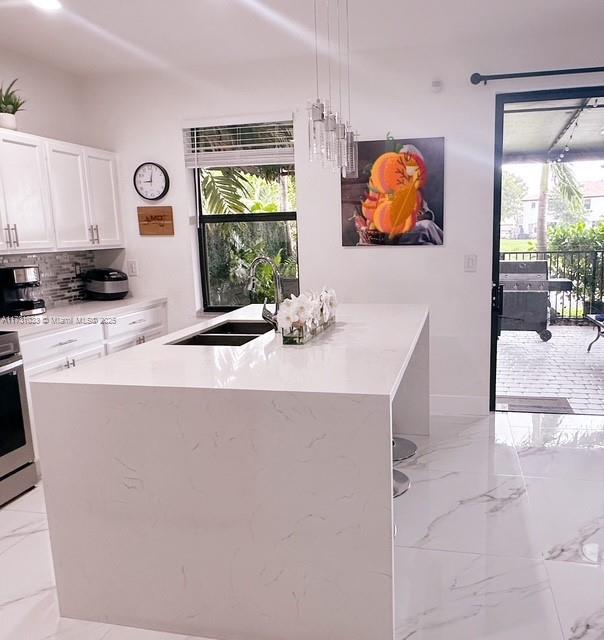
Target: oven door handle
[(11, 367)]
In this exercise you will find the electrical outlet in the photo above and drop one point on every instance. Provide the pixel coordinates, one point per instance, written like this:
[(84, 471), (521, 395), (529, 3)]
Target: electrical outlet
[(470, 263), (132, 268)]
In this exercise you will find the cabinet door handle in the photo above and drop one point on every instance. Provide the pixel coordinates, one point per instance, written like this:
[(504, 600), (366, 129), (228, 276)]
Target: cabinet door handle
[(98, 238), (16, 235), (73, 362), (91, 232), (66, 342), (137, 321), (66, 365), (9, 238)]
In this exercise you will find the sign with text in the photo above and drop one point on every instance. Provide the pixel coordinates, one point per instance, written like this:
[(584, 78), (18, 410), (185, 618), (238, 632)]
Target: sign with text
[(155, 221)]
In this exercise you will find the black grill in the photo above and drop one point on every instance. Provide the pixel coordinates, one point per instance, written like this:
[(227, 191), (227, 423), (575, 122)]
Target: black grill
[(526, 289)]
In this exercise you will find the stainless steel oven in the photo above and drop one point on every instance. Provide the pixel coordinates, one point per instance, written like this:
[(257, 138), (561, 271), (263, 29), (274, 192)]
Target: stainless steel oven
[(17, 467)]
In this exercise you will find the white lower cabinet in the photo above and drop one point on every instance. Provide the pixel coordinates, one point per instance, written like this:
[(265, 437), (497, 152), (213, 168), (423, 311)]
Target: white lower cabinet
[(57, 363), (120, 344), (50, 346), (61, 349), (65, 361)]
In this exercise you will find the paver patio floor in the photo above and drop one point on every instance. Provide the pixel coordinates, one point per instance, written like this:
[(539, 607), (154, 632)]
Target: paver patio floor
[(560, 368)]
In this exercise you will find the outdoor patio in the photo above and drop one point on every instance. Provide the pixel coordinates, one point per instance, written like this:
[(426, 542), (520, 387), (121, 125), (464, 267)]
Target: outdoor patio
[(558, 376)]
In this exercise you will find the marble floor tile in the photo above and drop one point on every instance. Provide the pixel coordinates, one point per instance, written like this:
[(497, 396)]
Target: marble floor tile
[(491, 497), (563, 452), (470, 512), (456, 596), (32, 501), (553, 420), (17, 525), (567, 517), (469, 449), (37, 618), (579, 595), (27, 579), (495, 427)]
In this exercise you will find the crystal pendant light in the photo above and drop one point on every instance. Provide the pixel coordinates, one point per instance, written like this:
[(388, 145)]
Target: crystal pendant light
[(316, 130), (330, 140), (350, 168)]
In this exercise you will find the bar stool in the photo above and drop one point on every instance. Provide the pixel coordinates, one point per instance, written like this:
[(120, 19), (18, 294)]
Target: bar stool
[(402, 449), (400, 483)]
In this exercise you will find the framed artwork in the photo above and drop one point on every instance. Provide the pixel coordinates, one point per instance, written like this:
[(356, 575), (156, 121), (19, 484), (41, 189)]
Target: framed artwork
[(398, 197)]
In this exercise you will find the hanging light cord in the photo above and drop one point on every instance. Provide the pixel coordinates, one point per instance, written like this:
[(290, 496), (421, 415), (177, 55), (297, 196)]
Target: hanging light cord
[(348, 59), (329, 52), (316, 50), (339, 59)]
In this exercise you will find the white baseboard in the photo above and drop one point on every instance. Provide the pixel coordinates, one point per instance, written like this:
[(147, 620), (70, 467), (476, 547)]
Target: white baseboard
[(459, 405)]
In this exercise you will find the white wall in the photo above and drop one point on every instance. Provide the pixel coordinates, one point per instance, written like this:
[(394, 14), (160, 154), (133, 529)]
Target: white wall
[(391, 93), (53, 107)]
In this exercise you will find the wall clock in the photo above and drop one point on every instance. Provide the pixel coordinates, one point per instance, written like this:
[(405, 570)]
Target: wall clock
[(151, 181)]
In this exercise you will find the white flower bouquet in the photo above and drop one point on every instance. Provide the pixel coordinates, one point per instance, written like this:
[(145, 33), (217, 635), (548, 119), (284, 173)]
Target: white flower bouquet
[(302, 317)]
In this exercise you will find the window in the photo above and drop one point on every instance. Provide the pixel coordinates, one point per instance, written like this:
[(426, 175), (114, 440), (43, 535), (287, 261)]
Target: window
[(587, 203), (246, 194), (533, 205)]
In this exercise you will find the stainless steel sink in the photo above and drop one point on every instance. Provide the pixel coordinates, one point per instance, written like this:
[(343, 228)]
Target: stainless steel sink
[(216, 340), (231, 333), (240, 327)]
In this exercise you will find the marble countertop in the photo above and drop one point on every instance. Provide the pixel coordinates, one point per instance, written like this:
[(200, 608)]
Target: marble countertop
[(366, 352), (65, 316)]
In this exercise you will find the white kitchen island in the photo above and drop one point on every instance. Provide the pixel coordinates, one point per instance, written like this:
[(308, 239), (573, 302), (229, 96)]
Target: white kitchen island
[(236, 493)]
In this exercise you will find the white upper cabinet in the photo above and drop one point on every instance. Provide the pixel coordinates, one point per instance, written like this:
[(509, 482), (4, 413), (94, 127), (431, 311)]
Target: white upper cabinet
[(4, 228), (101, 173), (67, 171), (56, 195), (26, 192)]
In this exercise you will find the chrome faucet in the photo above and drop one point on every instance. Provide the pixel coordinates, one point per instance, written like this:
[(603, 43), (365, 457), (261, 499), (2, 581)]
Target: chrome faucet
[(271, 318)]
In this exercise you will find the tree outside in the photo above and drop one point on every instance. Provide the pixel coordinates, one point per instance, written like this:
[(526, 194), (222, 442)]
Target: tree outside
[(559, 178), (513, 191), (232, 246)]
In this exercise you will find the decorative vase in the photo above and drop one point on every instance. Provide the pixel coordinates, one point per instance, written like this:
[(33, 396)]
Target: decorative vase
[(301, 335), (8, 121)]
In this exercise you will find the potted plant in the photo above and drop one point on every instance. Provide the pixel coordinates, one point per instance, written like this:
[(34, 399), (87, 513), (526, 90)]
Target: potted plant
[(10, 103)]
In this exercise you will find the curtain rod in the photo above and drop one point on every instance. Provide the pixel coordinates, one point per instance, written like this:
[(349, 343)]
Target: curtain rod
[(477, 78)]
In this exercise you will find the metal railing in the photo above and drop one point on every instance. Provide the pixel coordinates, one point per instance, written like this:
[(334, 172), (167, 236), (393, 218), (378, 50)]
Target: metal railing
[(586, 271)]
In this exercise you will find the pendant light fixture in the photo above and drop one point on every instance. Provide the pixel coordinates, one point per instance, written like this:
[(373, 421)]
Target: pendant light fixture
[(332, 140)]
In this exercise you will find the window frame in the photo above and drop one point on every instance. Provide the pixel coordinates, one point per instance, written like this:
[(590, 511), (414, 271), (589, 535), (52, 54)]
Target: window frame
[(205, 218)]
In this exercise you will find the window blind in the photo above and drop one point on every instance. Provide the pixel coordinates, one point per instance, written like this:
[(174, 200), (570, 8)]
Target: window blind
[(239, 145)]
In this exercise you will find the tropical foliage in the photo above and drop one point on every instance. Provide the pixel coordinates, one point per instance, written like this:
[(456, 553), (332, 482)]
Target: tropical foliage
[(584, 264), (576, 237), (232, 246), (558, 176)]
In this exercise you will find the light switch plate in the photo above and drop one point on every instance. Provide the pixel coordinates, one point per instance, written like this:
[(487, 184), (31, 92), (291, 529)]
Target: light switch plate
[(470, 262), (132, 268)]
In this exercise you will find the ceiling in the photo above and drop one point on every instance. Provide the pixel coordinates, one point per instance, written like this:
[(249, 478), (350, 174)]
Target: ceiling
[(90, 37), (534, 131)]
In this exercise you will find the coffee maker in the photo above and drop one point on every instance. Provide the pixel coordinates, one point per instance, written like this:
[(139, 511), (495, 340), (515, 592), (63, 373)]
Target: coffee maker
[(19, 287)]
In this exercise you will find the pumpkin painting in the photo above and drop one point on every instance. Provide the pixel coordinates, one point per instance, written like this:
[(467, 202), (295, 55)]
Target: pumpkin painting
[(397, 196)]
